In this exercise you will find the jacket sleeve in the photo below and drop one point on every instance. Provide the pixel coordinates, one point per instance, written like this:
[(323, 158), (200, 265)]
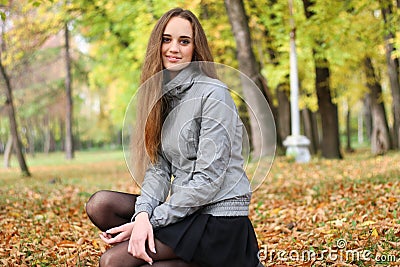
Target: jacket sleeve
[(155, 187), (219, 119)]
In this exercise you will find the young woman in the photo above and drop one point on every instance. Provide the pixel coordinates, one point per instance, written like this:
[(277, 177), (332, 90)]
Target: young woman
[(193, 207)]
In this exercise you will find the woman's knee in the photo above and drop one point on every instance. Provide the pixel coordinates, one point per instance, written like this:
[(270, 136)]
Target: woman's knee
[(108, 260), (114, 258), (173, 263), (96, 202), (104, 260)]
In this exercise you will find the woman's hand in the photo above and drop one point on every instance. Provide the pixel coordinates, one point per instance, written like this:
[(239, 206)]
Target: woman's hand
[(120, 233), (142, 231)]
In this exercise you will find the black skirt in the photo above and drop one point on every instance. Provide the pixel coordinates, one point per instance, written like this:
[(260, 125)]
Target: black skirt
[(212, 241)]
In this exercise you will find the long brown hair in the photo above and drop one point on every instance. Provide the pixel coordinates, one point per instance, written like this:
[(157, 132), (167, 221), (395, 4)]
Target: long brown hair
[(147, 138)]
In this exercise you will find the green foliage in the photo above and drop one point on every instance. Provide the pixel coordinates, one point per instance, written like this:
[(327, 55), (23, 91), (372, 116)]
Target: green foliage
[(3, 15), (116, 32), (217, 27), (118, 37), (4, 2)]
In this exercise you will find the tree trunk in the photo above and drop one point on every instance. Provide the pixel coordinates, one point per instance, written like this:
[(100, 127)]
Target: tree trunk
[(262, 132), (46, 142), (244, 116), (69, 140), (368, 116), (380, 139), (31, 142), (360, 129), (49, 142), (13, 122), (62, 135), (29, 133), (284, 111), (8, 152), (327, 109), (52, 141), (283, 130), (348, 131), (393, 68), (311, 129)]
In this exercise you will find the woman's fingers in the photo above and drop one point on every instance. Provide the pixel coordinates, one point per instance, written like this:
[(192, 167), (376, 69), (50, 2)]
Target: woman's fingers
[(140, 253), (137, 247), (105, 235), (105, 238), (131, 250), (117, 229), (141, 233), (112, 240), (150, 241), (121, 233)]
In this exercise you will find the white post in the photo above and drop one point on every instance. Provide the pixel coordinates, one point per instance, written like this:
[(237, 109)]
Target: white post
[(297, 145), (294, 86)]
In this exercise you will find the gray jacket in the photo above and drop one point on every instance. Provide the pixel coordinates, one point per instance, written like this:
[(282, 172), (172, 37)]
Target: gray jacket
[(200, 166)]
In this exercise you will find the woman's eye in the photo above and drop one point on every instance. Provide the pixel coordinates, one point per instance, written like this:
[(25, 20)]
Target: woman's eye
[(185, 41), (166, 39)]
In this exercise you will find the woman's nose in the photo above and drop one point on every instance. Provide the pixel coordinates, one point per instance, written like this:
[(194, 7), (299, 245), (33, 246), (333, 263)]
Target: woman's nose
[(174, 47)]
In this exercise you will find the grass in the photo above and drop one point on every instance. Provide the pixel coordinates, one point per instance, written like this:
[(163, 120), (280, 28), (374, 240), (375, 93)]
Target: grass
[(298, 207), (92, 169)]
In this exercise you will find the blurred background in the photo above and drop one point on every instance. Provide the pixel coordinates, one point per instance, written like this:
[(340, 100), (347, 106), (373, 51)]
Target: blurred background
[(68, 70), (70, 67)]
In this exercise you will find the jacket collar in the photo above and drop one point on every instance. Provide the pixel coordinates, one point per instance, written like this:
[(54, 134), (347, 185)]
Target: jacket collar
[(181, 82)]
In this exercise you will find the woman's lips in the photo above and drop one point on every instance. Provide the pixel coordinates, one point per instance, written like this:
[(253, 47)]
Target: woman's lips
[(173, 59)]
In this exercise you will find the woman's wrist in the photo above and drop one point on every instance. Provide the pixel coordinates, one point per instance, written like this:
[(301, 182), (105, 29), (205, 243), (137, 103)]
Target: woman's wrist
[(142, 215)]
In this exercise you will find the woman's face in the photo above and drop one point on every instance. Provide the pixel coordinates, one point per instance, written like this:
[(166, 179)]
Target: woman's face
[(177, 44)]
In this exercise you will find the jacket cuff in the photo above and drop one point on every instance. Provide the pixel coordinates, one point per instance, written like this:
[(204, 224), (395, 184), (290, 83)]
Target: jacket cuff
[(142, 208), (154, 222)]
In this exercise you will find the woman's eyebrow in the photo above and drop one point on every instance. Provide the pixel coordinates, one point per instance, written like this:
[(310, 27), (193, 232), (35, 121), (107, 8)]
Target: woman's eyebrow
[(182, 36)]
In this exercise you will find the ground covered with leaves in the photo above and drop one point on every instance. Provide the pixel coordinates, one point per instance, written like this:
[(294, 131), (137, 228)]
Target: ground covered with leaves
[(323, 213)]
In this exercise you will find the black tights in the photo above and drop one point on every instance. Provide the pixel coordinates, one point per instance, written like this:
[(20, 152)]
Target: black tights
[(108, 209)]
